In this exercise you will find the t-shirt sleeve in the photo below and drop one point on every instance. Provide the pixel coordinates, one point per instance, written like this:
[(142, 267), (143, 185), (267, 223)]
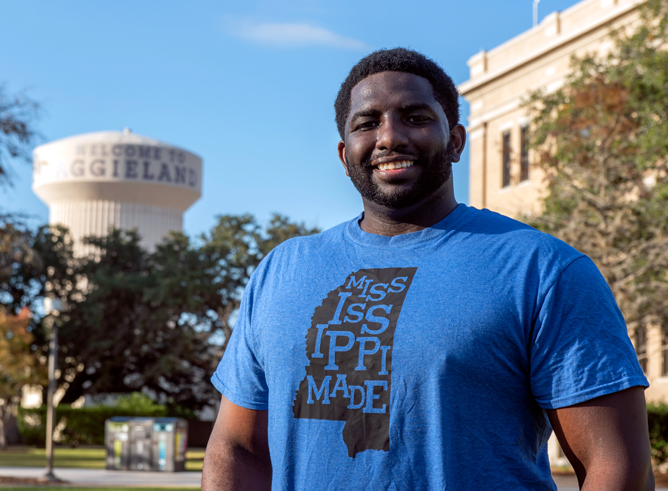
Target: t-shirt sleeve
[(580, 348), (240, 376)]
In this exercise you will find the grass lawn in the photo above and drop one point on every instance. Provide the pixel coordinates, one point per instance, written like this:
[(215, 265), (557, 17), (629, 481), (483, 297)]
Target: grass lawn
[(61, 488), (83, 457)]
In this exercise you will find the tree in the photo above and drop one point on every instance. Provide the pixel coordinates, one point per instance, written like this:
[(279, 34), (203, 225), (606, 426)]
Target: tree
[(237, 243), (20, 264), (17, 134), (602, 142), (34, 263), (158, 322), (18, 365), (141, 323), (31, 263)]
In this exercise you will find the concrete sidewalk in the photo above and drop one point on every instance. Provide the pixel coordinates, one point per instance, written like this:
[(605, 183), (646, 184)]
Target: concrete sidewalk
[(570, 483), (101, 477)]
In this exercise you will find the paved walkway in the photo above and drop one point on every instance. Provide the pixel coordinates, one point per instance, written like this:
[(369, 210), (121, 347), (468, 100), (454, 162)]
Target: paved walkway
[(570, 483), (99, 477)]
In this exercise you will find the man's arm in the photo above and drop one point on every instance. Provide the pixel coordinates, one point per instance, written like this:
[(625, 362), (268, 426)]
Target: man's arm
[(237, 455), (606, 440)]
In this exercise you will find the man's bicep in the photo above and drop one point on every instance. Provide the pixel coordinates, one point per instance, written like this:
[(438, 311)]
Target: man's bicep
[(579, 347), (237, 455), (608, 435), (242, 427)]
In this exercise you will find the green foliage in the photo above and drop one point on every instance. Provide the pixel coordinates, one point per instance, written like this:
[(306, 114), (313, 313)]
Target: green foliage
[(154, 321), (144, 322), (82, 426), (136, 401), (136, 320), (28, 260), (237, 244), (657, 415), (17, 134), (17, 364), (602, 143)]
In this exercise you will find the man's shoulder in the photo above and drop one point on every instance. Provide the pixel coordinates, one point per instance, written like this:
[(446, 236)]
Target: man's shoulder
[(306, 249), (327, 238), (491, 222), (510, 237), (501, 227)]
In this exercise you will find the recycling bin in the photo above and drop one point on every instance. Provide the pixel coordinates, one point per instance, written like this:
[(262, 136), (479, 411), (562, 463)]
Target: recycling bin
[(146, 444), (141, 456), (116, 437), (170, 437)]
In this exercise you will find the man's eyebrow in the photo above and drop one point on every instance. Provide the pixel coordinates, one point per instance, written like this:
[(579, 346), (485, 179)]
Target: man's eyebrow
[(365, 113), (415, 107)]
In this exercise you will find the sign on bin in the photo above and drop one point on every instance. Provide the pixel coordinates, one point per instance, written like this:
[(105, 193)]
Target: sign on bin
[(116, 437), (140, 445)]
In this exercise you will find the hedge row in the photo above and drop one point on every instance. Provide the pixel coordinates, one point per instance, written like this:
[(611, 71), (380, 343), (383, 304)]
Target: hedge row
[(86, 425), (657, 418), (81, 426)]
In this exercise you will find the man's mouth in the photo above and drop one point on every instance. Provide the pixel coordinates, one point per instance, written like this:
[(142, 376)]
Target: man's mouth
[(395, 165)]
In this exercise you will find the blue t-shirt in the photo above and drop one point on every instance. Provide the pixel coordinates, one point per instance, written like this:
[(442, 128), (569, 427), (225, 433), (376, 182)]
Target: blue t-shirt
[(423, 361)]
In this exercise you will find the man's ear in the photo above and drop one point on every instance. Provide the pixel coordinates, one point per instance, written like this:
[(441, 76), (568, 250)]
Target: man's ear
[(458, 135), (342, 156)]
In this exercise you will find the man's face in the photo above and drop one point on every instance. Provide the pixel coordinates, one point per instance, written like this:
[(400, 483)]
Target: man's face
[(397, 150)]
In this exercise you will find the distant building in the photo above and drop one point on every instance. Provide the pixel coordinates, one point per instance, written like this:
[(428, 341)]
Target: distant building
[(501, 177), (96, 181)]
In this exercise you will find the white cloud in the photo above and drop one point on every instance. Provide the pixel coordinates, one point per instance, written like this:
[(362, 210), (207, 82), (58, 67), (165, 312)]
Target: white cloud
[(291, 35)]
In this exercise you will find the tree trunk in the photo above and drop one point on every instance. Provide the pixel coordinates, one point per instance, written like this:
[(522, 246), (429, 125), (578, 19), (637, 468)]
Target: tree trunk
[(5, 412), (8, 428)]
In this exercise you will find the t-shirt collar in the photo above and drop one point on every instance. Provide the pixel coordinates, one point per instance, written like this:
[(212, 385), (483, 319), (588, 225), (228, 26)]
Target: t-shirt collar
[(355, 232)]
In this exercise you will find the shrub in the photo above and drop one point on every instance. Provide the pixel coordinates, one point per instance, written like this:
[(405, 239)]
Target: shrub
[(657, 418), (82, 425)]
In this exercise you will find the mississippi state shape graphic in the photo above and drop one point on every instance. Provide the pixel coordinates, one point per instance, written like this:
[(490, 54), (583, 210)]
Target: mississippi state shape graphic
[(349, 347)]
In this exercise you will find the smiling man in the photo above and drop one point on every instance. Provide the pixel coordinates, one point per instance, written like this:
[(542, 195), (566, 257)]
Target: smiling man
[(423, 345)]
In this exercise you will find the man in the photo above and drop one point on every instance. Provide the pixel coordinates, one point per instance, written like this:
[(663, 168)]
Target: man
[(425, 344)]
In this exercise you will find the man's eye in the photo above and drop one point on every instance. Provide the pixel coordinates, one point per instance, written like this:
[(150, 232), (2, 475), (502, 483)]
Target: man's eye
[(366, 125), (418, 119)]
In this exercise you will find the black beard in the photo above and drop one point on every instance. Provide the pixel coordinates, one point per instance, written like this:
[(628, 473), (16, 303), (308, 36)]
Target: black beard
[(437, 171)]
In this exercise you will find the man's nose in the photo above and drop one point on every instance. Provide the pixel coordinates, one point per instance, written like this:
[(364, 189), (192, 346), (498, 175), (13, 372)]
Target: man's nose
[(391, 134)]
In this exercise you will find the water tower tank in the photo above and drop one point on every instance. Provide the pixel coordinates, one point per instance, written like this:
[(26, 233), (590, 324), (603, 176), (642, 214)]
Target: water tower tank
[(96, 181)]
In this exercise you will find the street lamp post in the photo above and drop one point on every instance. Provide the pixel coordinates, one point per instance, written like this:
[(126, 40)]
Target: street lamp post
[(535, 12), (52, 306)]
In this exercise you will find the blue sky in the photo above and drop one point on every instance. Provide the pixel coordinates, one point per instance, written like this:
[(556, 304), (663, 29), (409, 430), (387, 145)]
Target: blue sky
[(249, 86)]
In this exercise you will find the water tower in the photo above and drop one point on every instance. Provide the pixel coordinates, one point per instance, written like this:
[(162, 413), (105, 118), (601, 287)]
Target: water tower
[(96, 181)]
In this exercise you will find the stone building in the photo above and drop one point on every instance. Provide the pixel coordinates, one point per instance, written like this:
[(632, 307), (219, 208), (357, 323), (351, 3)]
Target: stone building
[(501, 177)]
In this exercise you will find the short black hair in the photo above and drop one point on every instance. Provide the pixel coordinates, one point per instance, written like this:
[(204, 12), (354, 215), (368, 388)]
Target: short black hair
[(399, 60)]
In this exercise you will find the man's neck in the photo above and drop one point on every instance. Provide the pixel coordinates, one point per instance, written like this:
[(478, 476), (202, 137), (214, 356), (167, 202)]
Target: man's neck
[(381, 220)]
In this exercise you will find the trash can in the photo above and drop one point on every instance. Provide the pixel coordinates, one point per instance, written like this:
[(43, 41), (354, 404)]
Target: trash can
[(140, 444), (146, 444), (116, 437)]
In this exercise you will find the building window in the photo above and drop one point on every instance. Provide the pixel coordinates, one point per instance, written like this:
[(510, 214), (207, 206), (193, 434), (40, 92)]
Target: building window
[(641, 347), (664, 350), (524, 154), (506, 159)]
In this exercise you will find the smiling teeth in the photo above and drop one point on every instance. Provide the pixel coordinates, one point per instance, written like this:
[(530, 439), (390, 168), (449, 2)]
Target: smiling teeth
[(395, 165)]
